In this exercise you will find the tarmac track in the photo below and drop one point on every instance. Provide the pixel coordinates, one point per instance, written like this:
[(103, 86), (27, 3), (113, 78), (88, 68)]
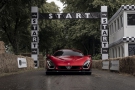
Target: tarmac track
[(37, 80)]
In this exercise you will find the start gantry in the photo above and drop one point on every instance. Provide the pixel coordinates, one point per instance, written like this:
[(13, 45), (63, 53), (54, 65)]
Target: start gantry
[(91, 15)]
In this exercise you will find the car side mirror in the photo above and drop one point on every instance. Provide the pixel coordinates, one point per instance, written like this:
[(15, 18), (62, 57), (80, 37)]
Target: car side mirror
[(48, 55), (89, 55)]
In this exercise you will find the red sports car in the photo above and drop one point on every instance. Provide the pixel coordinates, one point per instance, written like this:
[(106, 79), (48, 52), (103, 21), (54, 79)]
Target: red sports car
[(68, 61)]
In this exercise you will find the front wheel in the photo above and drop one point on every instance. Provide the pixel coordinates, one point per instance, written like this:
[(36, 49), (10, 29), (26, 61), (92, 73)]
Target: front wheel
[(50, 72)]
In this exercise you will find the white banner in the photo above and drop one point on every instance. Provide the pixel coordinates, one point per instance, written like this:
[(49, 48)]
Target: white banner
[(114, 65), (105, 65), (22, 63)]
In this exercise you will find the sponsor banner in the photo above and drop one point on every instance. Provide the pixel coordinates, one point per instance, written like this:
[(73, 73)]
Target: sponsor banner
[(34, 15), (104, 14), (114, 65), (91, 15), (105, 65), (105, 50), (22, 63), (34, 51)]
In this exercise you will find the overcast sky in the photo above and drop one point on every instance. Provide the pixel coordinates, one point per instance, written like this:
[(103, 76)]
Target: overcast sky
[(57, 2)]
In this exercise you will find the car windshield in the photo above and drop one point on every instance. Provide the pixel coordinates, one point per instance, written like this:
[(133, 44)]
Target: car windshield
[(68, 53)]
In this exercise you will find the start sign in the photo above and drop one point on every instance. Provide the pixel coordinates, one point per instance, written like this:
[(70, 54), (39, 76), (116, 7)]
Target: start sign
[(35, 15), (69, 15)]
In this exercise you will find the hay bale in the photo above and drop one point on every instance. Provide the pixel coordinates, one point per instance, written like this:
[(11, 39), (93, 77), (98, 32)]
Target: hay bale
[(42, 63), (1, 64), (2, 47), (124, 65), (132, 65), (97, 64), (40, 57), (11, 62), (26, 54), (30, 62), (8, 63), (127, 65)]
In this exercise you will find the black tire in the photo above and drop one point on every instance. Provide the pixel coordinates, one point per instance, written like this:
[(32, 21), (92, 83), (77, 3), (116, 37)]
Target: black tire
[(47, 73), (50, 73), (88, 73)]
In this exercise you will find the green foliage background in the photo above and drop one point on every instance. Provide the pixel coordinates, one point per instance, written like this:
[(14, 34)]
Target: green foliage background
[(82, 34)]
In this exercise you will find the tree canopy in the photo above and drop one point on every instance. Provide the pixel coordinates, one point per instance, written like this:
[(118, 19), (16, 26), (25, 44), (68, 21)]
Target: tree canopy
[(85, 34), (82, 34), (15, 23)]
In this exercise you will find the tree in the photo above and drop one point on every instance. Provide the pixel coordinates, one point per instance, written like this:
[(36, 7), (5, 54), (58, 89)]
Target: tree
[(50, 33), (3, 4), (15, 23), (85, 34)]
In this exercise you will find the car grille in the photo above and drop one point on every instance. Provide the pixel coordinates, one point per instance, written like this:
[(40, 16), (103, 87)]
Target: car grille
[(72, 67)]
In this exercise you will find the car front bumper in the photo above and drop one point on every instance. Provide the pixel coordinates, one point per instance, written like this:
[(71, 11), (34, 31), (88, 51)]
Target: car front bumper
[(57, 72)]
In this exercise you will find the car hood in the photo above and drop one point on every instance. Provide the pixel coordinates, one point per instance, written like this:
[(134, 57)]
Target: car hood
[(73, 60), (70, 58)]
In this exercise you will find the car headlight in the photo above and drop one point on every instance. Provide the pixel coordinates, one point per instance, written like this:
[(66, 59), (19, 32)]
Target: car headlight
[(86, 64), (50, 64)]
